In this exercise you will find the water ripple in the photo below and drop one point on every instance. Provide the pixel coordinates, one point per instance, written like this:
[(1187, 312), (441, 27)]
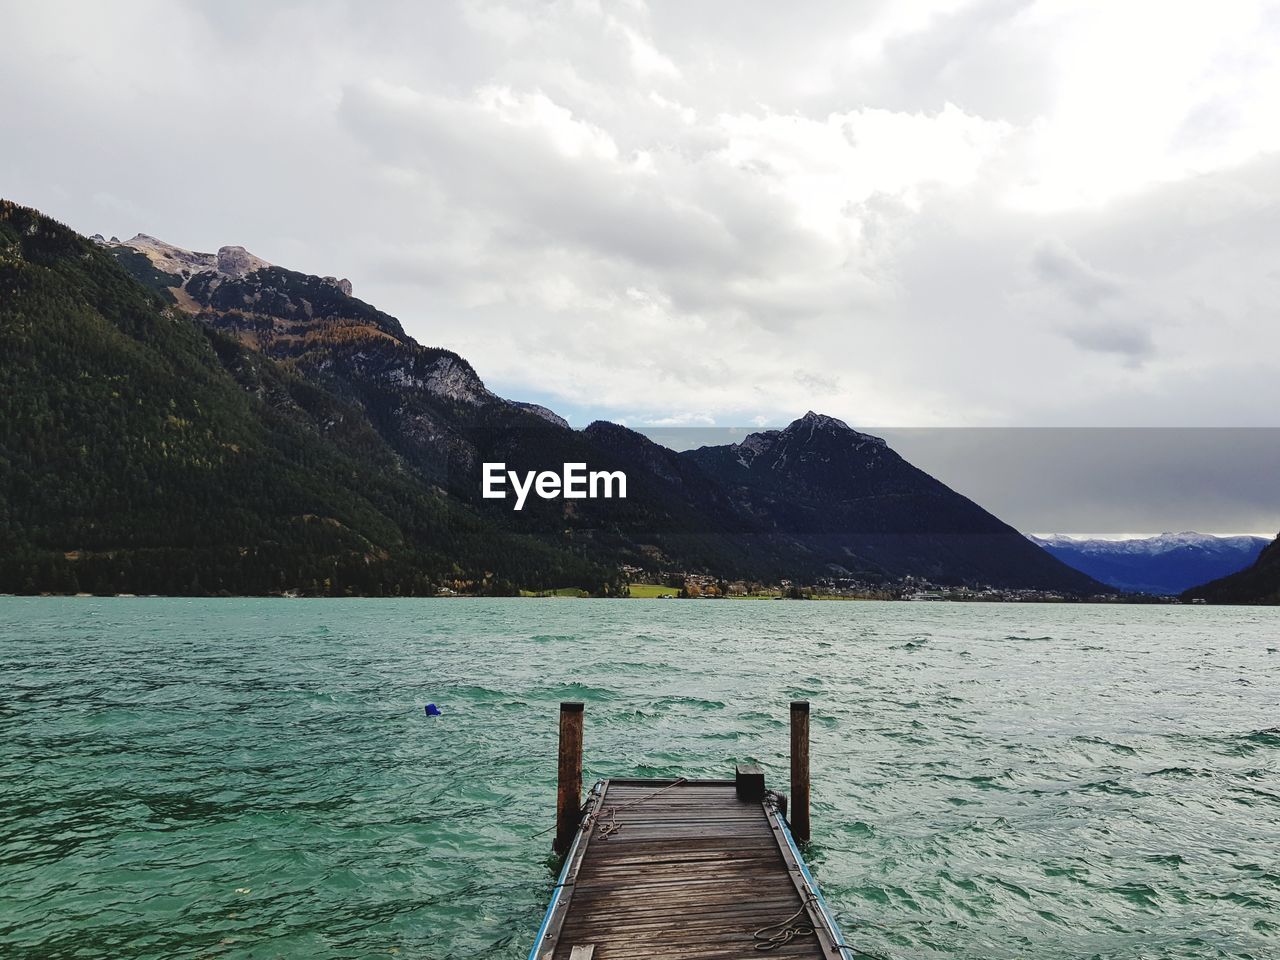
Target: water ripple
[(238, 779)]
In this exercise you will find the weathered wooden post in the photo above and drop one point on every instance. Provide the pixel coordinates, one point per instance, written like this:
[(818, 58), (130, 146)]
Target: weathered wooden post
[(569, 791), (800, 770)]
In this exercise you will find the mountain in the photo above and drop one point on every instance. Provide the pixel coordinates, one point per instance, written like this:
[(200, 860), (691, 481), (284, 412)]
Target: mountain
[(432, 409), (1258, 583), (174, 421), (1167, 564), (142, 452), (854, 507), (435, 412)]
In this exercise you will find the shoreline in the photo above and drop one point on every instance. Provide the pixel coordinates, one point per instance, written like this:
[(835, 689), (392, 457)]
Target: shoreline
[(1137, 600)]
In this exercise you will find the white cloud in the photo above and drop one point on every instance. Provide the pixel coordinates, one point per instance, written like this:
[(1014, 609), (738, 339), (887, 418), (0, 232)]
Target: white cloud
[(570, 137), (898, 213), (646, 60)]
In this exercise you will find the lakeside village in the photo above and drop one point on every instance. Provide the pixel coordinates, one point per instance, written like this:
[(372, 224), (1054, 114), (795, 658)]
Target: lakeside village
[(636, 582)]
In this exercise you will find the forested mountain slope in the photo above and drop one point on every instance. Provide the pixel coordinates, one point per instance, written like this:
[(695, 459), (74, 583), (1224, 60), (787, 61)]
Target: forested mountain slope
[(141, 452)]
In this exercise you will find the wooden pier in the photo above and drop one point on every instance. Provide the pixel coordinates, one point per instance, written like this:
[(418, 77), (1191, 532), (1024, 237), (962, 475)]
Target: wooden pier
[(686, 869)]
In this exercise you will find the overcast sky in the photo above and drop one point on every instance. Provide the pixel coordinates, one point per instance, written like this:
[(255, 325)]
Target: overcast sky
[(901, 214)]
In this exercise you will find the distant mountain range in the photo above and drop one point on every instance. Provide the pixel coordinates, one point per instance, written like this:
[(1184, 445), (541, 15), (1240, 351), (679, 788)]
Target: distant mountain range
[(182, 422), (1167, 564)]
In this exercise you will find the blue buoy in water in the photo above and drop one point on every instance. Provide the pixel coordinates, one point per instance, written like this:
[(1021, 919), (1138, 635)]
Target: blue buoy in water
[(433, 710)]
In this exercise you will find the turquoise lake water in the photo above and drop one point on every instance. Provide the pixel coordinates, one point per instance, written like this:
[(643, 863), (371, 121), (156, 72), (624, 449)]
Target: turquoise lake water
[(257, 779)]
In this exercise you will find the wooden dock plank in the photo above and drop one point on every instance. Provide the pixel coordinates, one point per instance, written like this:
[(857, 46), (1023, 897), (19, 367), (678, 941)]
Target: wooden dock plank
[(683, 870)]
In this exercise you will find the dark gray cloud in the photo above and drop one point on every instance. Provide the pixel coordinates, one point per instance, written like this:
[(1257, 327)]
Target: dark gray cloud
[(1110, 481), (1105, 323), (1059, 264), (1129, 340)]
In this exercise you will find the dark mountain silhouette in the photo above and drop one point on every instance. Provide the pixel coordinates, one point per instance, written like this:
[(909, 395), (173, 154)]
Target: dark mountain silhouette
[(854, 505), (1259, 583)]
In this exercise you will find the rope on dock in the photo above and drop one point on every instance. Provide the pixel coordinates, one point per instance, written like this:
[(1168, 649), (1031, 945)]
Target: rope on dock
[(790, 929), (607, 830)]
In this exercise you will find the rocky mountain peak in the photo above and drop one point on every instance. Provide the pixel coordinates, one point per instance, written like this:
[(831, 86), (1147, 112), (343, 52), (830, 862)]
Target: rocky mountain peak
[(237, 262), (229, 261), (821, 420), (813, 426), (814, 438), (538, 410), (168, 258)]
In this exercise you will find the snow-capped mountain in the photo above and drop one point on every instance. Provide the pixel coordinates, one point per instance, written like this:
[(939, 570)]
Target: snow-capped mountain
[(1167, 564)]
